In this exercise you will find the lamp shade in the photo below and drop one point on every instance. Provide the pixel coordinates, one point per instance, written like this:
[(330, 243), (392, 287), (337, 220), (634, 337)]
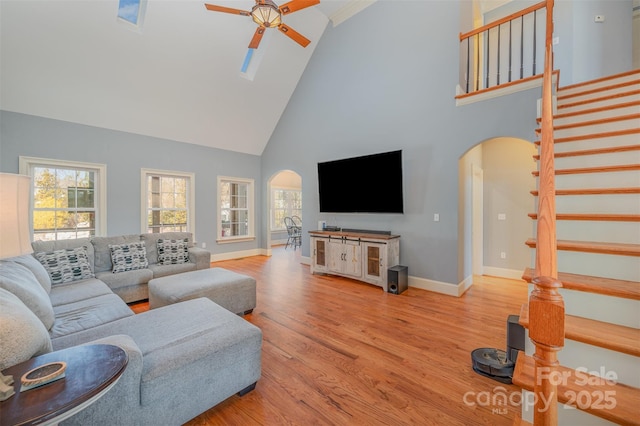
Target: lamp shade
[(14, 215)]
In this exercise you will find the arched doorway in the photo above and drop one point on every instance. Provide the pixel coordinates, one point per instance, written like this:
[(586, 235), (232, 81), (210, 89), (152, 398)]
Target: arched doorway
[(494, 203), (284, 199)]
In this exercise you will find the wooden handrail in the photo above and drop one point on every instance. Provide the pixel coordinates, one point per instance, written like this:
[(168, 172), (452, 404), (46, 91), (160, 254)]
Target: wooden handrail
[(546, 307), (506, 19)]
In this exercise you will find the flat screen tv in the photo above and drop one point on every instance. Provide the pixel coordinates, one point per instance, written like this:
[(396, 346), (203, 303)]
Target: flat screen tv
[(367, 184)]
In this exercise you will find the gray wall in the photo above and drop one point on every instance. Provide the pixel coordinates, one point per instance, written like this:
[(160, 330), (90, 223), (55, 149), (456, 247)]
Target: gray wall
[(386, 81), (125, 154)]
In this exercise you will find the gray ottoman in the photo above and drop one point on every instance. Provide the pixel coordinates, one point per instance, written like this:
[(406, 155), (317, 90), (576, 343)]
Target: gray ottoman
[(233, 291)]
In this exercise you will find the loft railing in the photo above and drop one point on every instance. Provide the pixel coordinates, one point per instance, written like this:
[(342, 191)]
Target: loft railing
[(504, 51)]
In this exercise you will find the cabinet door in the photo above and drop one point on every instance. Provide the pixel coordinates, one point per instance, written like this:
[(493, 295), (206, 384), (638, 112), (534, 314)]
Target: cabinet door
[(336, 256), (352, 258), (375, 263), (319, 250)]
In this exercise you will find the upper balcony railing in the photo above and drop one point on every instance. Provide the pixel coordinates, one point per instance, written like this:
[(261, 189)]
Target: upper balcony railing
[(505, 51)]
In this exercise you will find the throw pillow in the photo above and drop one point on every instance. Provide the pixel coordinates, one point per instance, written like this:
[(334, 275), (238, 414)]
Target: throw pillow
[(66, 265), (128, 257), (172, 252), (22, 334)]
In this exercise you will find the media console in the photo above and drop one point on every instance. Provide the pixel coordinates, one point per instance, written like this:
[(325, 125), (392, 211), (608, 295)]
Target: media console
[(360, 255)]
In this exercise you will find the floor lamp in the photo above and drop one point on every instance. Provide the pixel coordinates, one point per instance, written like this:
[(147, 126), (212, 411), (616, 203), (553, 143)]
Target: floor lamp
[(15, 238)]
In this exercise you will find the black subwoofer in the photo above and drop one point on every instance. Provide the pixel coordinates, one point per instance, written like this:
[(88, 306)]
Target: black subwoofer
[(397, 279)]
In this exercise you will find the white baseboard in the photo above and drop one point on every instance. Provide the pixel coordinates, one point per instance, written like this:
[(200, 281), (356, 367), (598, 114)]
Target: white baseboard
[(239, 254), (449, 289), (501, 272)]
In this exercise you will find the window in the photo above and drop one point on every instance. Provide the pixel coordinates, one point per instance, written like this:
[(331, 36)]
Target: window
[(168, 201), (285, 202), (68, 198), (131, 13), (235, 204)]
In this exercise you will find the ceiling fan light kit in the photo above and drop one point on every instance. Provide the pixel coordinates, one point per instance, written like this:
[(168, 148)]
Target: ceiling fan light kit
[(267, 14)]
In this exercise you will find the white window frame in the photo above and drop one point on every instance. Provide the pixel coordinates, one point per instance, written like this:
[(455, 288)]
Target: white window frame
[(191, 196), (280, 227), (27, 164), (250, 210)]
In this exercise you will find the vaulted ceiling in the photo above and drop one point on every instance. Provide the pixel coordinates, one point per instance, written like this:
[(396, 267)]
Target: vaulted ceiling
[(178, 77)]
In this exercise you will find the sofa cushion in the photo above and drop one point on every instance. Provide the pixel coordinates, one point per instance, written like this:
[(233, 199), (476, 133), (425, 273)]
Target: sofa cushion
[(173, 252), (164, 270), (22, 334), (128, 257), (39, 246), (41, 274), (87, 314), (125, 279), (76, 291), (151, 241), (66, 265), (20, 281), (103, 252)]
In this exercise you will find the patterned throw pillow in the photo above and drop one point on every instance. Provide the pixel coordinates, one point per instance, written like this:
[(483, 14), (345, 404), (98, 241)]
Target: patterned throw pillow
[(172, 252), (128, 257), (66, 265)]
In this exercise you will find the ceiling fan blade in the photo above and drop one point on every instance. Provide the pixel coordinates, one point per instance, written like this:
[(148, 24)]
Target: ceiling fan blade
[(215, 8), (295, 5), (257, 36), (294, 35)]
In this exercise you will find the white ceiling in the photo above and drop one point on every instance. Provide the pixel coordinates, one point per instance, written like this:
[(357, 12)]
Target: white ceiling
[(178, 78)]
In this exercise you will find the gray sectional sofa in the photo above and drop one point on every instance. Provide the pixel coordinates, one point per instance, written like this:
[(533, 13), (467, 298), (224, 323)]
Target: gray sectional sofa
[(131, 285), (182, 359)]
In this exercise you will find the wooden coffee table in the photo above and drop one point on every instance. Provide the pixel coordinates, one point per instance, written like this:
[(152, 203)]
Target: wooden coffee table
[(91, 371)]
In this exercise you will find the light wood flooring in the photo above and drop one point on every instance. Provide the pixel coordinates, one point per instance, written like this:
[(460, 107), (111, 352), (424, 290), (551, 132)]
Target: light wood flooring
[(342, 352)]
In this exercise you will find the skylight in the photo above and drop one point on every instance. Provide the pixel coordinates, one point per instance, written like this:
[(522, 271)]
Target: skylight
[(131, 11)]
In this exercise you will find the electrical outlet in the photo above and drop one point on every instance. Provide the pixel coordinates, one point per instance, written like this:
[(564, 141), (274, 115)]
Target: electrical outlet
[(204, 245), (502, 216), (436, 217), (503, 255), (598, 18)]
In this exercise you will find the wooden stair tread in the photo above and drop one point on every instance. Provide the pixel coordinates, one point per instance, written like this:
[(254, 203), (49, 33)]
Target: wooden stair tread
[(594, 136), (599, 169), (597, 333), (599, 80), (599, 285), (594, 122), (623, 249), (592, 110), (596, 151), (593, 191), (609, 217), (621, 405), (593, 99)]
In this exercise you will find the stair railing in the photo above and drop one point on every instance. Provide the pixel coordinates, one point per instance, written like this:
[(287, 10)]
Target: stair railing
[(514, 36), (546, 307)]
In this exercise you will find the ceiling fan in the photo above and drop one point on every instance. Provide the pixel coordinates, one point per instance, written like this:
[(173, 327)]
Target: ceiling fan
[(267, 14)]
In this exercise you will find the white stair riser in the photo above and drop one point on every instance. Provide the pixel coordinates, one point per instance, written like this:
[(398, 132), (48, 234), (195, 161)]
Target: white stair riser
[(563, 98), (600, 231), (605, 102), (595, 143), (599, 84), (608, 159), (602, 203), (609, 309), (597, 115), (598, 128), (600, 265), (599, 180)]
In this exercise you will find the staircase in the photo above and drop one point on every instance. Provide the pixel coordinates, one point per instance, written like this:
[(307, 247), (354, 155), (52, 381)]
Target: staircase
[(596, 132)]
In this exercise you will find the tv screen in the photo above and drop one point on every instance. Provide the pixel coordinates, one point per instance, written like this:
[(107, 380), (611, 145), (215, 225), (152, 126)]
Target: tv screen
[(367, 184)]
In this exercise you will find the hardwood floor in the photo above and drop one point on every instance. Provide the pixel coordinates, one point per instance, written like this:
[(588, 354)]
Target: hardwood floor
[(342, 352)]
